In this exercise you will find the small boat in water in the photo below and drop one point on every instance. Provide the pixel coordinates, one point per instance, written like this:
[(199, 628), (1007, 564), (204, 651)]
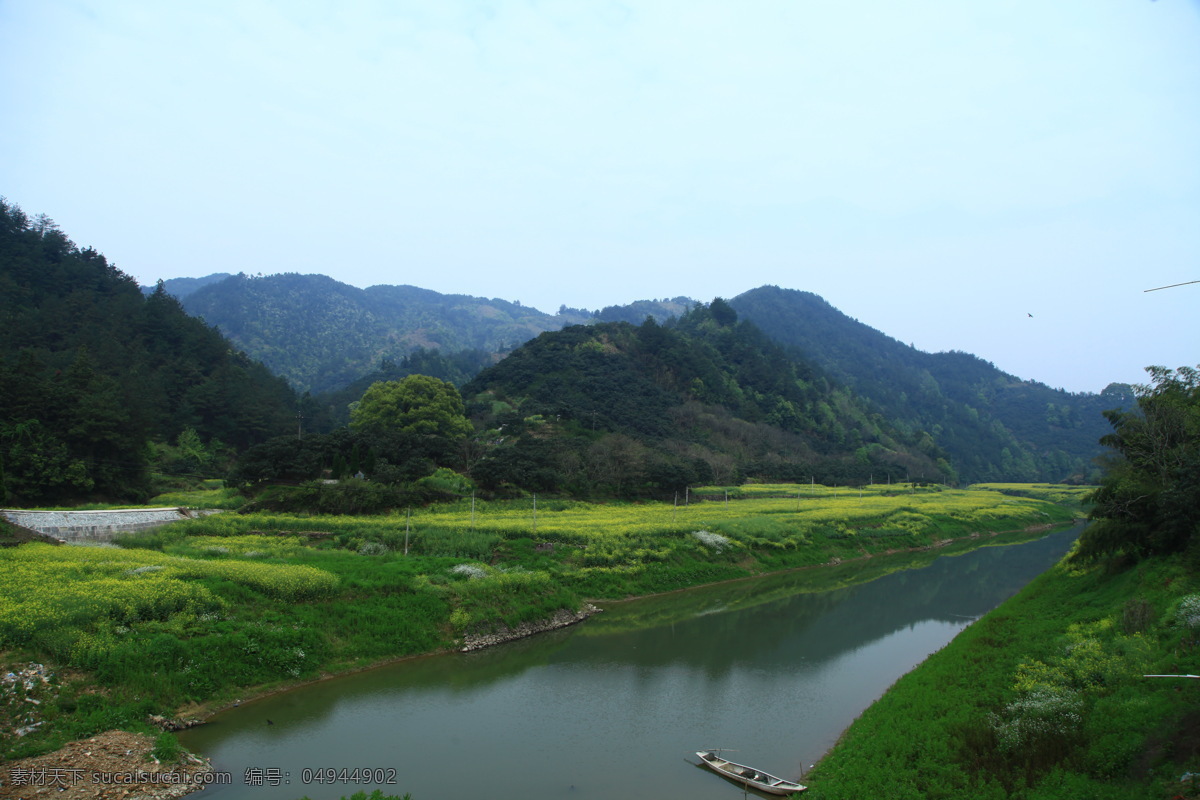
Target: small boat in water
[(748, 776)]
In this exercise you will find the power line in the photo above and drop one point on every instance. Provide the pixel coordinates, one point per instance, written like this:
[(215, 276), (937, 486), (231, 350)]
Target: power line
[(1172, 286)]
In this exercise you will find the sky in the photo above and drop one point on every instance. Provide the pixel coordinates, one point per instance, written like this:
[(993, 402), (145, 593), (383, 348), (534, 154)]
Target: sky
[(1002, 177)]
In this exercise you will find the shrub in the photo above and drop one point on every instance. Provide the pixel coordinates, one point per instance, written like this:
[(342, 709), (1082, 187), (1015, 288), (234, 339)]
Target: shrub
[(1188, 613)]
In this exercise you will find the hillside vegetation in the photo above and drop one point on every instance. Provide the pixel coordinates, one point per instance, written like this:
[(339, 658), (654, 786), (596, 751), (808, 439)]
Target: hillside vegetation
[(321, 334), (991, 425), (98, 382), (1056, 694), (652, 409), (325, 336), (1044, 699)]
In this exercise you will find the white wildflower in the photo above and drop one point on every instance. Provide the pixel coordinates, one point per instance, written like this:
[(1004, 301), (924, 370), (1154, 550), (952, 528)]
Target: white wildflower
[(1188, 612), (472, 571), (1045, 712), (714, 540)]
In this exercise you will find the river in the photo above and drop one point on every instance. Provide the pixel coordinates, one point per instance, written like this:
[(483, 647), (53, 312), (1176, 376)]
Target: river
[(617, 706)]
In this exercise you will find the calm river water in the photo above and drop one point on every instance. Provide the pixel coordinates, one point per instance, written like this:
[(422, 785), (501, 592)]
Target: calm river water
[(616, 707)]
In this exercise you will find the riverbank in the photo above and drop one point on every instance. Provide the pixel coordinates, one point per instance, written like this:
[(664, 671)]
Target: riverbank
[(779, 679), (1044, 698), (197, 616), (827, 577), (115, 765)]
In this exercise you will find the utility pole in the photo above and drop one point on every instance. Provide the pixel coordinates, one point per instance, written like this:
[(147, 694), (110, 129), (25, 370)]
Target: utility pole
[(299, 424)]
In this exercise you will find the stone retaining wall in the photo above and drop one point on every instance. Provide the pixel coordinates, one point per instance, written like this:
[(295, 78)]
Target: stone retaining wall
[(98, 526), (561, 619)]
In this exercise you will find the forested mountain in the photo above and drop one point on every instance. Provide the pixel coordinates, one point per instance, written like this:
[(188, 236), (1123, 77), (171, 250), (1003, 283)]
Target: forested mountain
[(325, 336), (321, 335), (993, 426), (182, 287), (92, 371), (654, 408)]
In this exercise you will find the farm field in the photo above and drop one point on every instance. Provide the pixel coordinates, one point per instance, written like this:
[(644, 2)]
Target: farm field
[(199, 613)]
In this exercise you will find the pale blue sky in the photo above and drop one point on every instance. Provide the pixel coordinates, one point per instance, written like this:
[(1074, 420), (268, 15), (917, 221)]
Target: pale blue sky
[(937, 169)]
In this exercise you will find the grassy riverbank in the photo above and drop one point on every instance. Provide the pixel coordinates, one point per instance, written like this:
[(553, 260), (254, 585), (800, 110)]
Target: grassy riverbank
[(1043, 698), (202, 612)]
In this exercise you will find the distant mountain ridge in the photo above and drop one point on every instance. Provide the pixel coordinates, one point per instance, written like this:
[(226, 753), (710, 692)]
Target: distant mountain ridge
[(321, 334), (995, 426), (324, 336), (180, 288)]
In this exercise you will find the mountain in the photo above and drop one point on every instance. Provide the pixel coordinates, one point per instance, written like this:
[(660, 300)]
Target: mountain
[(330, 338), (648, 409), (994, 426), (92, 372), (322, 335), (182, 287)]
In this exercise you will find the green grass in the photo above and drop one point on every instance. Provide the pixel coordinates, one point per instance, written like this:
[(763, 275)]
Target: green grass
[(1071, 496), (1043, 698), (204, 610)]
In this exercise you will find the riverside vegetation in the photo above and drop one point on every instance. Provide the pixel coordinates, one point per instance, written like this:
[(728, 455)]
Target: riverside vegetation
[(203, 612), (1055, 694), (1044, 698)]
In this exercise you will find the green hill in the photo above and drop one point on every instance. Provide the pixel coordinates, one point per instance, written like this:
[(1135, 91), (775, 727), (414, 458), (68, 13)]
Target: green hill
[(616, 408), (992, 425), (92, 371), (322, 335)]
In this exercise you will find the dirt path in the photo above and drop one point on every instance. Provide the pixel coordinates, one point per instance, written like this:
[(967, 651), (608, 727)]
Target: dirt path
[(111, 766)]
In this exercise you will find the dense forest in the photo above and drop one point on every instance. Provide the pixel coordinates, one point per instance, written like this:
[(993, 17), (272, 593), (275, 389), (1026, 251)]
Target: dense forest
[(98, 382), (602, 410), (992, 425), (103, 384), (322, 335), (705, 398)]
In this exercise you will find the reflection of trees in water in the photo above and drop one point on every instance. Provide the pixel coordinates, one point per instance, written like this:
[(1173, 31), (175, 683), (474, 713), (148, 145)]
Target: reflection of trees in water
[(810, 628), (796, 629)]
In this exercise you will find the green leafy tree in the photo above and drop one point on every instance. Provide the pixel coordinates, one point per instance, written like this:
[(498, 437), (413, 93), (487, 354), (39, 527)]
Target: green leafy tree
[(1149, 501), (418, 405)]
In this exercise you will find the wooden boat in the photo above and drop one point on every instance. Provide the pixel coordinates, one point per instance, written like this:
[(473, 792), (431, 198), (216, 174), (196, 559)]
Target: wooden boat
[(748, 776)]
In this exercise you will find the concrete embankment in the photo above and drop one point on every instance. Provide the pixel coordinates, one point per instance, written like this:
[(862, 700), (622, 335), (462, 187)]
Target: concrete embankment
[(98, 526)]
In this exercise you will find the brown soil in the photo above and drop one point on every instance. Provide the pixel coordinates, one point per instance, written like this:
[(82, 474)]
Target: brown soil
[(112, 766)]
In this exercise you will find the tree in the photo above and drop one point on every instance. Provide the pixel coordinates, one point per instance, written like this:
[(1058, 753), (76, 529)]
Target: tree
[(1149, 501), (722, 313), (418, 405)]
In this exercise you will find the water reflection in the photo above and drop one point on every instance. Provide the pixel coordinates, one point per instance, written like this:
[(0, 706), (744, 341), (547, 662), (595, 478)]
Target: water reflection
[(764, 666)]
